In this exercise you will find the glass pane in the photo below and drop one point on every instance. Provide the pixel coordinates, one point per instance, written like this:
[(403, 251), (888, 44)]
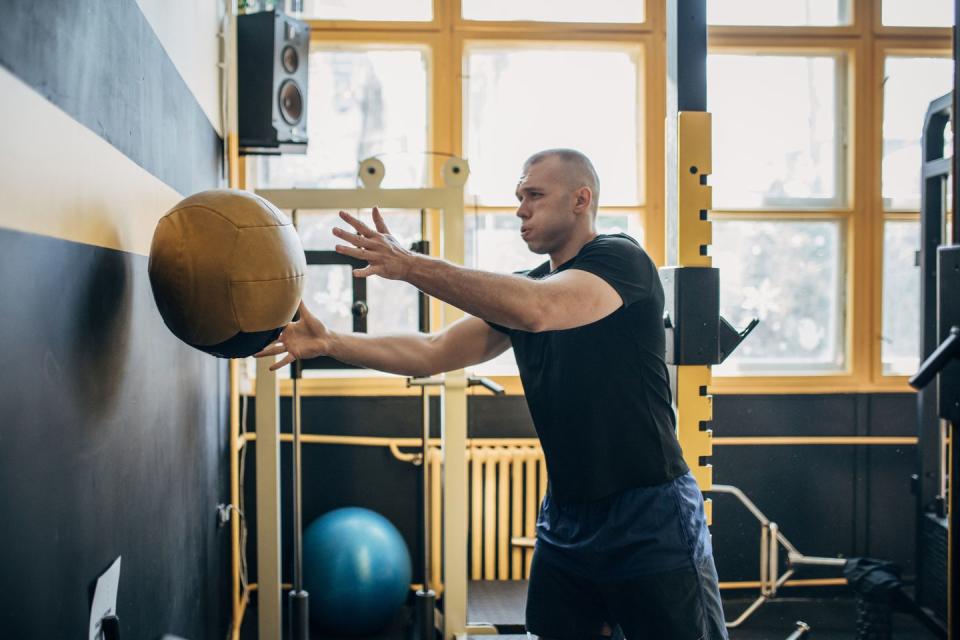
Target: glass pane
[(519, 101), (777, 131), (789, 275), (807, 13), (328, 292), (910, 85), (901, 297), (911, 13), (555, 10), (393, 305), (362, 104), (419, 10)]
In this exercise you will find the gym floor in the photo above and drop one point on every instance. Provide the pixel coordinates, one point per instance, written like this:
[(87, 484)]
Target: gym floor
[(829, 619)]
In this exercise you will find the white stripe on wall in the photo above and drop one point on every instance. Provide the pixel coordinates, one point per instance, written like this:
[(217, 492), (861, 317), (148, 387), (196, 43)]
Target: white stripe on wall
[(59, 179)]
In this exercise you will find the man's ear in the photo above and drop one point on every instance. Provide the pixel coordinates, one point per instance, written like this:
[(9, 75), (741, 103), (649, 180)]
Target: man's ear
[(582, 199)]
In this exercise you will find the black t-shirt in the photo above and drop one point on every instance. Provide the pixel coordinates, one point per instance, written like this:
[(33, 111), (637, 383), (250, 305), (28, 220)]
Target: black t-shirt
[(600, 394)]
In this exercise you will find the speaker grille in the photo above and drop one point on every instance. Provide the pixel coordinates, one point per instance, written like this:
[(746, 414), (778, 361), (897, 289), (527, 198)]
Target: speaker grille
[(290, 59), (291, 102)]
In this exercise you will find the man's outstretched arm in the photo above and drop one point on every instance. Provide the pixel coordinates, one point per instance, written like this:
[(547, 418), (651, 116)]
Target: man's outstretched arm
[(571, 298), (466, 342)]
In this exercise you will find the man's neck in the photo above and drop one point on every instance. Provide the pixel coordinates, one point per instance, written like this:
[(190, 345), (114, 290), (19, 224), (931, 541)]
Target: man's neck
[(571, 248)]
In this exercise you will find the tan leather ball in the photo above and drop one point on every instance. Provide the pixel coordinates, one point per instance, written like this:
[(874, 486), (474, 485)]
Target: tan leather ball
[(227, 271)]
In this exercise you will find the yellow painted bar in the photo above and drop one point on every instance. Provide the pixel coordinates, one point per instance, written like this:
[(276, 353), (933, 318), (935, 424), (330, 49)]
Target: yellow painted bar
[(694, 233), (693, 237)]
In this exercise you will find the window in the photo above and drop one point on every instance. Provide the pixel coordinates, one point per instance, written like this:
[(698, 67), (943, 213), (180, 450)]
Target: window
[(909, 86), (363, 103), (519, 101), (911, 13), (812, 143), (779, 12), (790, 275), (402, 10), (555, 10), (900, 350), (779, 131)]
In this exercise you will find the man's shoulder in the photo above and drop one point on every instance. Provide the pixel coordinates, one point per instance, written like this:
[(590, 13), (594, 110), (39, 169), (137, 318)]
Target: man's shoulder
[(616, 245)]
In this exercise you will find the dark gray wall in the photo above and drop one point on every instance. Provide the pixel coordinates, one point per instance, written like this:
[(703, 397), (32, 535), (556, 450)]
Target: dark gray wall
[(828, 500), (113, 435)]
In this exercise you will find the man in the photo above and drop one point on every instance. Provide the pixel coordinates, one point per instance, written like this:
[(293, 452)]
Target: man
[(621, 536)]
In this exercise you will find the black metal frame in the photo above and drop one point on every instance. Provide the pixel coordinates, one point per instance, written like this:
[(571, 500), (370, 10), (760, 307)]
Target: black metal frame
[(359, 306)]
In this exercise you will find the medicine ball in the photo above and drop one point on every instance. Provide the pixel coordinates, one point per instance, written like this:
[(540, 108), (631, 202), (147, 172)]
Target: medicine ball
[(227, 271)]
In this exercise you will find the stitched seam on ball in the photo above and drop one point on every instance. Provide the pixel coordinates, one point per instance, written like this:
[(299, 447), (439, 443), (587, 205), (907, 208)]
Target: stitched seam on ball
[(220, 215), (268, 280)]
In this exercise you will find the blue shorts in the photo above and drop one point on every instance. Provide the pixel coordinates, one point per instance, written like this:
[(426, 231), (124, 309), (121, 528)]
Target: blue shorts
[(640, 559), (636, 532)]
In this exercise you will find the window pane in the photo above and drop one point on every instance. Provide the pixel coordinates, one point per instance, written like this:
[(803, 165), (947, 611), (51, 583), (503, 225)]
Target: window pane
[(419, 10), (910, 13), (777, 131), (362, 103), (790, 276), (910, 85), (779, 12), (901, 297), (492, 242), (328, 293), (393, 305), (519, 102), (554, 10)]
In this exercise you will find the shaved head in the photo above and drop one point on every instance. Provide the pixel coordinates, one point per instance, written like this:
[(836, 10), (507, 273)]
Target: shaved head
[(577, 170)]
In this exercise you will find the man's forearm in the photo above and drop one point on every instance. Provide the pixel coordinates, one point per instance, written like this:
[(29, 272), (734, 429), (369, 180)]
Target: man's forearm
[(508, 300), (406, 355)]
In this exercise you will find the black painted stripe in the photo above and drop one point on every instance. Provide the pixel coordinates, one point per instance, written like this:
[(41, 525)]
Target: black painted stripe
[(101, 62)]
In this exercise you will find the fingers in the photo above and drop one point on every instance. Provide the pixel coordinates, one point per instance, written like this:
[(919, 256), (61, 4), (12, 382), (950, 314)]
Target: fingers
[(379, 222), (366, 272), (353, 252), (279, 364), (357, 224), (354, 238), (274, 349)]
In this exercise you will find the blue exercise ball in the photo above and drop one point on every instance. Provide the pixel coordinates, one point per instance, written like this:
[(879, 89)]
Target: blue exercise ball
[(356, 568)]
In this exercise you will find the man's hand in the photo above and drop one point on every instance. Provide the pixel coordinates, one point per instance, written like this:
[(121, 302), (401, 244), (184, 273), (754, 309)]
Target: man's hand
[(305, 338), (383, 254)]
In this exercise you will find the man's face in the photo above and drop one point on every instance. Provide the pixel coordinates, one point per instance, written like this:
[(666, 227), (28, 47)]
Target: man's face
[(546, 206)]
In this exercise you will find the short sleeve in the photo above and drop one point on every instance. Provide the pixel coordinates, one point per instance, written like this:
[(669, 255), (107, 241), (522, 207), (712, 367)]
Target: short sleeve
[(622, 264), (500, 327), (527, 273)]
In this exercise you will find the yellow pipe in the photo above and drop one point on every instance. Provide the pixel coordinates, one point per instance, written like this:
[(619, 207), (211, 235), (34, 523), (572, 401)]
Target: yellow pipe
[(238, 614), (236, 597), (816, 440), (809, 582), (396, 443)]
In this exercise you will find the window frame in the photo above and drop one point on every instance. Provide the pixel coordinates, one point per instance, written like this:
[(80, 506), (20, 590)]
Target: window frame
[(865, 41), (892, 42)]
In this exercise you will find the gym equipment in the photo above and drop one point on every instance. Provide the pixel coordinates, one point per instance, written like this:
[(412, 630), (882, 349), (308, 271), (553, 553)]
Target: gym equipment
[(358, 569), (298, 597), (227, 271), (875, 582), (448, 200)]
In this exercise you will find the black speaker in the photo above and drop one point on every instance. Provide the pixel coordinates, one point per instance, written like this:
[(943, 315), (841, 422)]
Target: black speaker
[(272, 55)]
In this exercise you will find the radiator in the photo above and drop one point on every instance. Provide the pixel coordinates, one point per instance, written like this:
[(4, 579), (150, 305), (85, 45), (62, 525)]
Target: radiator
[(506, 484)]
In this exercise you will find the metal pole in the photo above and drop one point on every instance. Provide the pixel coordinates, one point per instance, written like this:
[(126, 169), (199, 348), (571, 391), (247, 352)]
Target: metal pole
[(299, 599)]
